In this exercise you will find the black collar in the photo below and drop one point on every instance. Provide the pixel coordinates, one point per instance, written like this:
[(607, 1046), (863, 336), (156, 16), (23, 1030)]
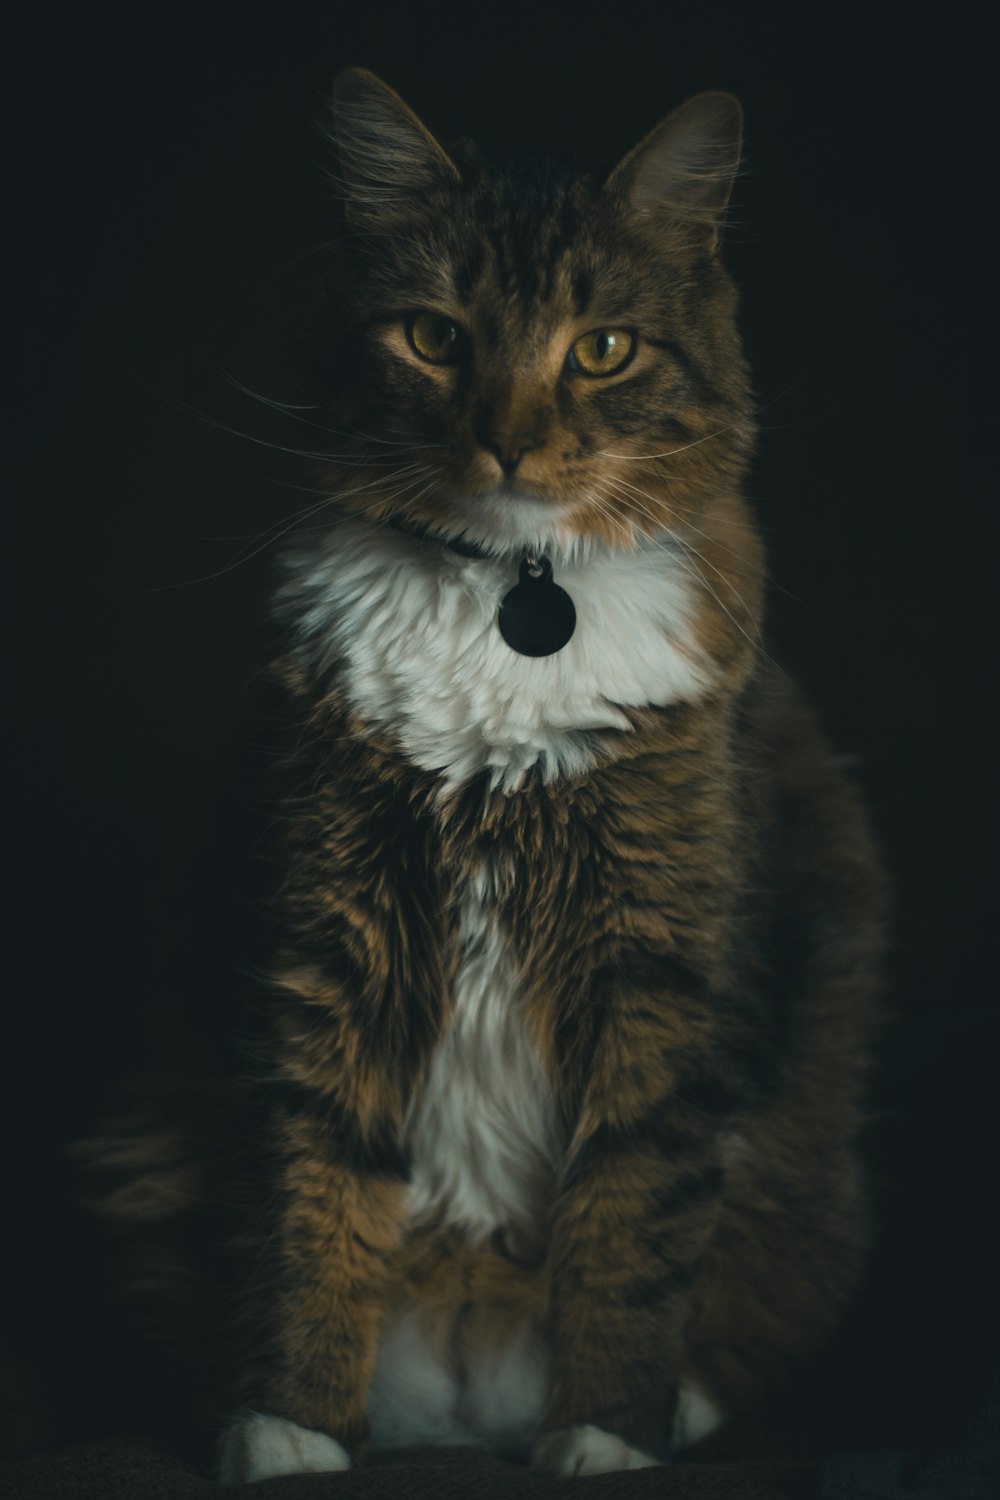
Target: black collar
[(422, 533)]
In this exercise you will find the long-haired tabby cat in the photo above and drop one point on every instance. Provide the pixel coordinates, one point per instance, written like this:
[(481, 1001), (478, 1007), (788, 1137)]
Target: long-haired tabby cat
[(559, 1100)]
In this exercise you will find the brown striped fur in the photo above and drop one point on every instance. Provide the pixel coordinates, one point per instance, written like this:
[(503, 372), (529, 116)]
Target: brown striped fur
[(696, 917)]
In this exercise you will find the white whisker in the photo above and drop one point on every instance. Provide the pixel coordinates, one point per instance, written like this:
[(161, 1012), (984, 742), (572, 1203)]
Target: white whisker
[(670, 452), (286, 526), (357, 437), (684, 556)]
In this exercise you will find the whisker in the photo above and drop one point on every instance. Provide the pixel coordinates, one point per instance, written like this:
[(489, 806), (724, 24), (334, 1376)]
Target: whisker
[(670, 452), (275, 533), (688, 525), (695, 572), (352, 460), (755, 411), (293, 412), (289, 406), (599, 500)]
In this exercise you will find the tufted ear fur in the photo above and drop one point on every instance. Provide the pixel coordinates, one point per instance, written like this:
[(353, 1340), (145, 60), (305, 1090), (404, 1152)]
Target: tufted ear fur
[(388, 159), (682, 172)]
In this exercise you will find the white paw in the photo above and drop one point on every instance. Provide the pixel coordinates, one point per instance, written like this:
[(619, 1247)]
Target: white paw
[(262, 1447), (695, 1418), (586, 1450)]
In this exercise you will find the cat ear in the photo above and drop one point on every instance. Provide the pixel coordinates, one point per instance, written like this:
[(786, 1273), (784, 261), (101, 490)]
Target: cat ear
[(682, 172), (388, 159)]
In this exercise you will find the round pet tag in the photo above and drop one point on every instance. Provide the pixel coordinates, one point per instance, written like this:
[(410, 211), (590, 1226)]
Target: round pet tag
[(536, 617)]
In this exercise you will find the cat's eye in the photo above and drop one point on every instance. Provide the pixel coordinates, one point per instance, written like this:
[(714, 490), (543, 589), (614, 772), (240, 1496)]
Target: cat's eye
[(436, 338), (603, 352)]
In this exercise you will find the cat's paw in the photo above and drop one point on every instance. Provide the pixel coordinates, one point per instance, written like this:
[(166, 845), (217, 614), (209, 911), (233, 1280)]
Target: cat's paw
[(586, 1450), (261, 1447)]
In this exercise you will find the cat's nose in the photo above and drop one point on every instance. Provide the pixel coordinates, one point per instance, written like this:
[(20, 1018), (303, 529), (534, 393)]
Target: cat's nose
[(509, 448)]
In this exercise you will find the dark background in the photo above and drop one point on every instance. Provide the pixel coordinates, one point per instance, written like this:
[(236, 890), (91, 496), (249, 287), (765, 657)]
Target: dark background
[(172, 215)]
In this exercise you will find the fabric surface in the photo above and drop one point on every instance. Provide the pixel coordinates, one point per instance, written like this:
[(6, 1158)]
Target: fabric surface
[(132, 1471), (969, 1470), (744, 1461)]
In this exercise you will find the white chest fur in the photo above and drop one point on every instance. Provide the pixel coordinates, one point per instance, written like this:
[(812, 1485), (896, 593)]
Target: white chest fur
[(414, 627), (484, 1150), (482, 1136)]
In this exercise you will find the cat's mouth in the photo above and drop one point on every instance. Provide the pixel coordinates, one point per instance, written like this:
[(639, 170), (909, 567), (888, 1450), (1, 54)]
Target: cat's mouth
[(506, 517)]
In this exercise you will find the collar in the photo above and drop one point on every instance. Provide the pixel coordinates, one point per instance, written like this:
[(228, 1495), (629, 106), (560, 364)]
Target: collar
[(423, 533)]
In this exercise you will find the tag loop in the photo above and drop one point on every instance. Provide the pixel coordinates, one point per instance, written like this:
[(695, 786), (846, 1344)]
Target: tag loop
[(536, 617)]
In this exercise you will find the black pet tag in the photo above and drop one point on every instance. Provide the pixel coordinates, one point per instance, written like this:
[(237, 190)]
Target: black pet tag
[(537, 617)]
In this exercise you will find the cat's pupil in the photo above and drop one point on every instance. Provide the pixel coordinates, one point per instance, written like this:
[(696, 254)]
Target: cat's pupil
[(604, 345)]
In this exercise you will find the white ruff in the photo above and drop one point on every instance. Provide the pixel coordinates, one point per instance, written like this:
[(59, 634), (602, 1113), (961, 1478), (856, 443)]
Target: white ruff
[(412, 629)]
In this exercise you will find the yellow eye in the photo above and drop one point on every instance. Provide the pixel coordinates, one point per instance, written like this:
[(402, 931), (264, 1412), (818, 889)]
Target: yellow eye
[(436, 338), (603, 352)]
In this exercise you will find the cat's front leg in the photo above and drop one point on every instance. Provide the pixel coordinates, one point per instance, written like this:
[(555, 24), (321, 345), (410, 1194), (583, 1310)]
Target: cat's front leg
[(318, 1303), (629, 1238), (352, 1021), (322, 1241)]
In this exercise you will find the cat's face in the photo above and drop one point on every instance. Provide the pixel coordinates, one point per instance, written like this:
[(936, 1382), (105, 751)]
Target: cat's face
[(553, 355)]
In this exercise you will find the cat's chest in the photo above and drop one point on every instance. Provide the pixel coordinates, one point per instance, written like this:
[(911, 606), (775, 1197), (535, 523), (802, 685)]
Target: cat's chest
[(482, 1134), (412, 628)]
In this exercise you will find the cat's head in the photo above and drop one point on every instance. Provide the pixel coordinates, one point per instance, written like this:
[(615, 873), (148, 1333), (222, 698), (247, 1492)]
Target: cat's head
[(532, 353)]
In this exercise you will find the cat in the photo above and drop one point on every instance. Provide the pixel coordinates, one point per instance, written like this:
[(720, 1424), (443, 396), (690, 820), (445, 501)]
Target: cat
[(556, 1148)]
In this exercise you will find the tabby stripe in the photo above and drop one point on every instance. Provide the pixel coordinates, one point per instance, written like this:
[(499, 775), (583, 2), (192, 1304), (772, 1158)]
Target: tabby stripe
[(653, 1132), (328, 951), (404, 1028), (689, 366), (363, 1244), (376, 1153), (689, 1190), (468, 272), (715, 1090), (645, 1292), (654, 972)]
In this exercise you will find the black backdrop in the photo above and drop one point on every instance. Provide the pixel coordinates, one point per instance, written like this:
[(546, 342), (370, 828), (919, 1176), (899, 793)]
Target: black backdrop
[(172, 221)]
